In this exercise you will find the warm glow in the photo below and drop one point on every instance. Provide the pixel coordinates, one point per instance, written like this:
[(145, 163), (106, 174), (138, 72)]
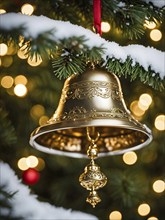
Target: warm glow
[(155, 35), (150, 24), (136, 110), (20, 90), (130, 158), (27, 9), (152, 218), (34, 61), (7, 82), (144, 209), (3, 49), (22, 165), (37, 111), (22, 54), (159, 186), (20, 79), (7, 61), (105, 27), (43, 119), (41, 164), (160, 122), (32, 161), (145, 99), (115, 215), (2, 11)]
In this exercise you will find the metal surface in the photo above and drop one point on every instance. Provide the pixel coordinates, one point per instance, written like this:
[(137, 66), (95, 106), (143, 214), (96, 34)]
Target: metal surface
[(94, 100)]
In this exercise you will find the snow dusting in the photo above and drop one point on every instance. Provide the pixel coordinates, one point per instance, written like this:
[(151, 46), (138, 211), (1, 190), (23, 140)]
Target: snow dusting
[(27, 206), (157, 3), (35, 25)]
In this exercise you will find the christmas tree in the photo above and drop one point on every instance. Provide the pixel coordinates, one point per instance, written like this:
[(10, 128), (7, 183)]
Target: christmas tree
[(42, 43)]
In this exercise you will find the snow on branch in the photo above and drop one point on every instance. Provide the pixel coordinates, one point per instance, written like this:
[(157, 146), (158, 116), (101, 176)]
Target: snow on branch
[(33, 26), (27, 206)]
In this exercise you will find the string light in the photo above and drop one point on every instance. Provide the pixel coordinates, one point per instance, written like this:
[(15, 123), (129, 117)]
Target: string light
[(144, 209), (150, 24), (155, 35), (160, 122), (22, 54), (27, 9), (7, 82), (145, 101), (20, 79), (115, 215), (2, 11), (22, 165), (31, 161), (34, 61), (3, 49), (159, 186), (20, 90), (130, 158), (105, 27)]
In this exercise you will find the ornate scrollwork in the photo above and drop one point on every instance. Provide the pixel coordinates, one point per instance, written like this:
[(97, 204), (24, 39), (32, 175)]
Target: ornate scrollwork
[(90, 89)]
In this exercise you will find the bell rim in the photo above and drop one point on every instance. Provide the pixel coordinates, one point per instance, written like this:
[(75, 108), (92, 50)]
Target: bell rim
[(76, 124)]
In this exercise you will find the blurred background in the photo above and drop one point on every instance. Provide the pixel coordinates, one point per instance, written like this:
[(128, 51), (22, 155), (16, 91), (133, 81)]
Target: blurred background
[(30, 93)]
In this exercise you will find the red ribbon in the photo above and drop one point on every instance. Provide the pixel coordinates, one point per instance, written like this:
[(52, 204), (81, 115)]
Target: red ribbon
[(97, 15)]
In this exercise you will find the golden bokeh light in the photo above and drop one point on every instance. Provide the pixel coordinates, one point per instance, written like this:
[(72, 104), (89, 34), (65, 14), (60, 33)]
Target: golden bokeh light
[(2, 11), (7, 82), (20, 90), (34, 61), (159, 186), (20, 79), (155, 35), (7, 61), (37, 111), (160, 122), (3, 49), (41, 164), (105, 27), (32, 161), (22, 54), (150, 24), (22, 165), (27, 9), (130, 158), (145, 100), (136, 110), (152, 218), (144, 209), (43, 119), (115, 215)]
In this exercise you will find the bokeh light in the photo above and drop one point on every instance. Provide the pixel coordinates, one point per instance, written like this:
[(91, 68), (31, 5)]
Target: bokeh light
[(37, 111), (160, 122), (22, 165), (136, 110), (115, 215), (7, 82), (105, 27), (41, 164), (159, 186), (20, 79), (130, 158), (2, 11), (32, 161), (155, 35), (22, 53), (34, 61), (150, 24), (20, 90), (43, 119), (3, 49), (7, 61), (27, 9), (144, 209), (145, 100), (152, 218)]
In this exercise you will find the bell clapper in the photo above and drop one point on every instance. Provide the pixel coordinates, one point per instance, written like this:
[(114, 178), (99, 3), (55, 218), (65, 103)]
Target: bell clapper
[(92, 178)]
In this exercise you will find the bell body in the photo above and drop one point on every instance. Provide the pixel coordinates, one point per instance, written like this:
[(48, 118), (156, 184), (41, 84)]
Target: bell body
[(94, 100)]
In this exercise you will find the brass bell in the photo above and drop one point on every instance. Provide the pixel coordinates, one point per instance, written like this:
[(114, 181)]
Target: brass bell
[(92, 121), (94, 100)]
